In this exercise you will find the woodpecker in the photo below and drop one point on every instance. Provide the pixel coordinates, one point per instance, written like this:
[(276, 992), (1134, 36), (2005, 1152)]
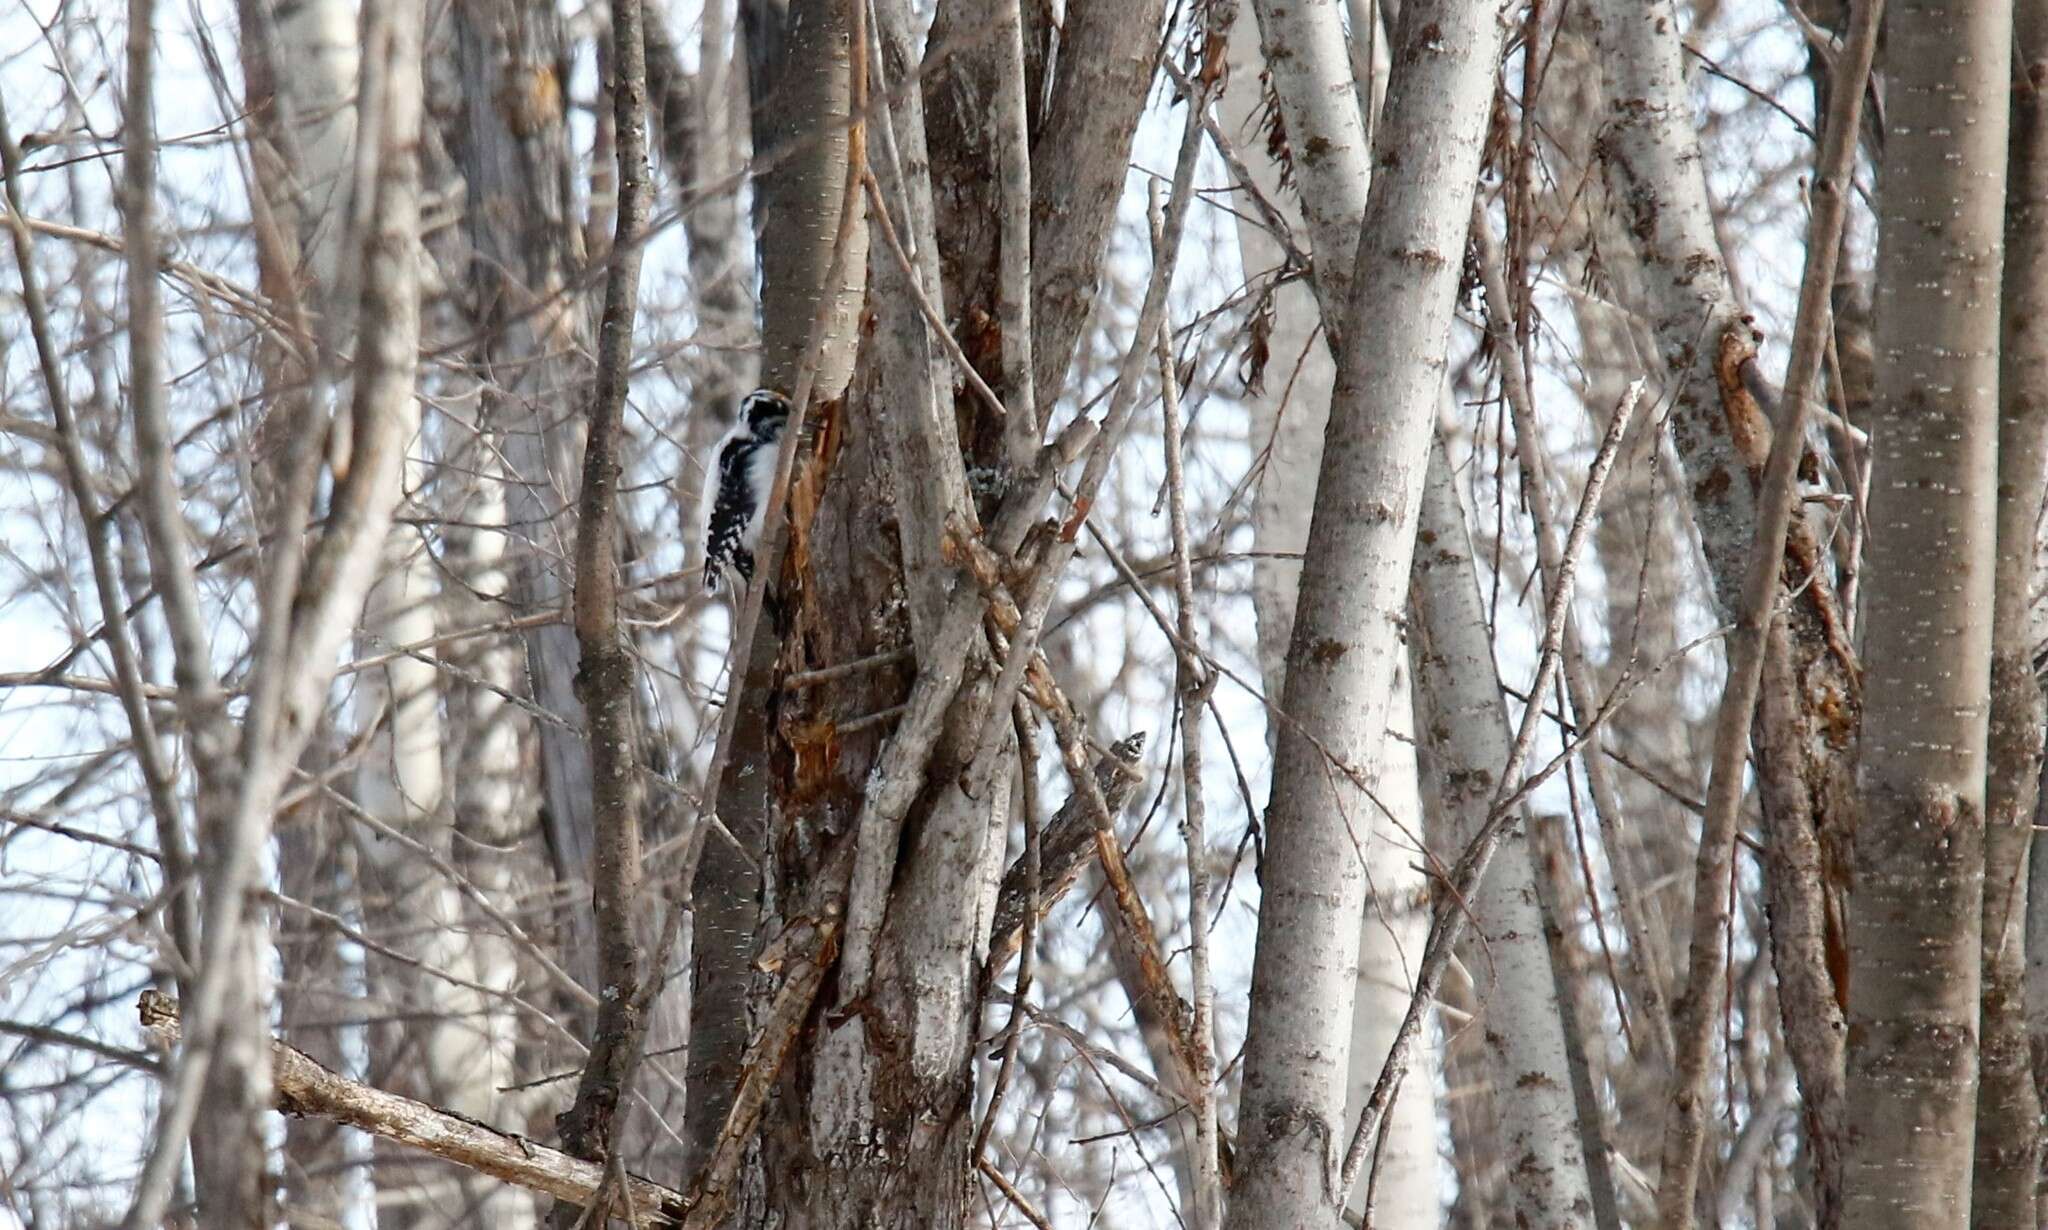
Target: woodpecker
[(737, 506)]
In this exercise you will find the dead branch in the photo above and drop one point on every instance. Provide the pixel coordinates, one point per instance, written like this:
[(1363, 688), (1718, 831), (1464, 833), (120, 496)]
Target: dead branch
[(305, 1087)]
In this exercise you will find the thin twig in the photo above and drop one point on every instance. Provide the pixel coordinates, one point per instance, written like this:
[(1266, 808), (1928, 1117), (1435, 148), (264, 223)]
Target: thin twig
[(133, 690), (1192, 685), (1011, 1194)]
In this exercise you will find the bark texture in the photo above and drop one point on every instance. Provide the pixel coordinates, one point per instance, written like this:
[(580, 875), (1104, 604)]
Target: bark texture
[(1805, 736), (2008, 1102), (1346, 635), (606, 680), (725, 897), (507, 134), (1916, 915), (1465, 726), (1314, 87), (299, 73)]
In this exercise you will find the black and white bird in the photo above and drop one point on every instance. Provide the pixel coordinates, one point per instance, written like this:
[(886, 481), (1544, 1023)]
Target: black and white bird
[(737, 504)]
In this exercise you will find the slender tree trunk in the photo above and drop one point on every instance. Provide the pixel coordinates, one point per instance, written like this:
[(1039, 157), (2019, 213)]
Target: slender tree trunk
[(1346, 635), (702, 127), (1468, 737), (300, 72), (1805, 736), (232, 1090), (1290, 403), (2008, 1104), (495, 818), (1290, 413), (1393, 927), (435, 1045), (1916, 916), (507, 134), (1080, 150)]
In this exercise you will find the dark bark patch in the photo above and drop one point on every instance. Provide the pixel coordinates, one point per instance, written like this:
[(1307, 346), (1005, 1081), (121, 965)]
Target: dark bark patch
[(1429, 39), (1325, 651), (1712, 487)]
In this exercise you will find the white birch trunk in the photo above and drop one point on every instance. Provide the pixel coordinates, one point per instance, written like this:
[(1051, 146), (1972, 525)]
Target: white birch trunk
[(1393, 927), (436, 1049), (1305, 51), (1521, 1023), (318, 43), (486, 798), (1289, 413), (1346, 639), (299, 81), (1289, 416)]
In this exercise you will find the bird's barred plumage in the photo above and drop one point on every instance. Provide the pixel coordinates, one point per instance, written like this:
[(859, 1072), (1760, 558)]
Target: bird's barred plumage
[(738, 506)]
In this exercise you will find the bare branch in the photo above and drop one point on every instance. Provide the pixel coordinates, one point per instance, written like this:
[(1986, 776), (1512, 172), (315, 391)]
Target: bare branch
[(1013, 297), (605, 680), (1193, 685), (307, 1087)]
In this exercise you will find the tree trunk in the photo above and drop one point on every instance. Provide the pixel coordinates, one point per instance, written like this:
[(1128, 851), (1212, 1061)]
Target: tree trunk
[(1393, 927), (299, 72), (1290, 413), (725, 896), (1916, 916), (505, 130), (1468, 736), (1807, 727), (1346, 636), (435, 1044), (2008, 1105), (799, 81), (495, 817), (1290, 400)]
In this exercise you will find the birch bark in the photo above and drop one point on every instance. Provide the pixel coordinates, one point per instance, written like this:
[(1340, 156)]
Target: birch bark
[(1289, 415), (1466, 727), (1346, 636), (299, 73)]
